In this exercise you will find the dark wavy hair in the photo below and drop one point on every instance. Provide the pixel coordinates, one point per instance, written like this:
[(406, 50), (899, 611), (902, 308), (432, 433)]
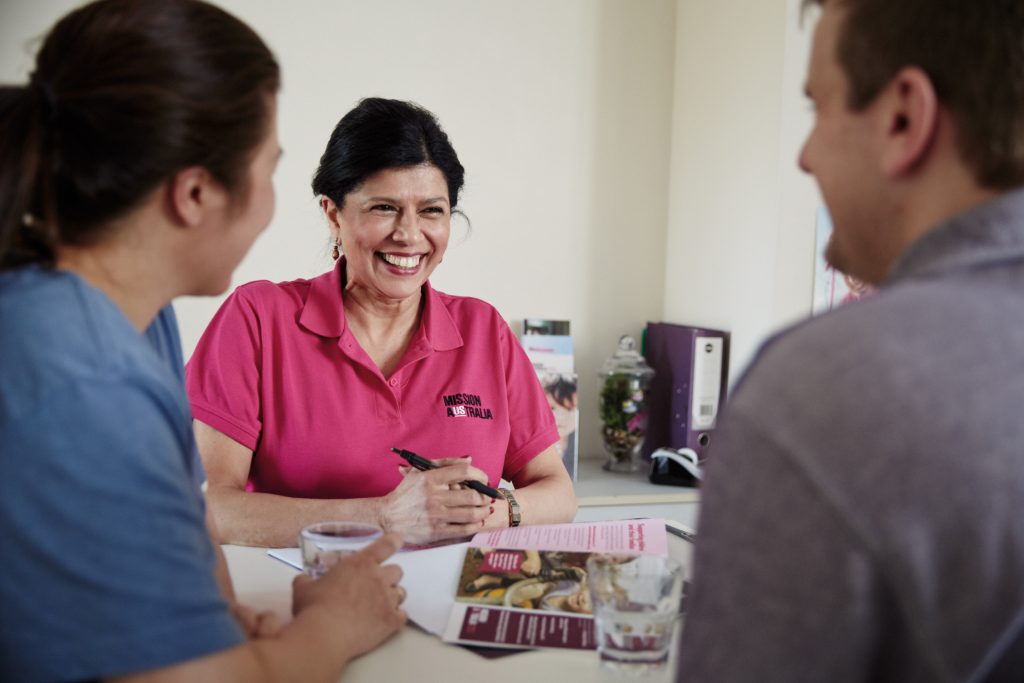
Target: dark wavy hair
[(380, 134), (124, 94)]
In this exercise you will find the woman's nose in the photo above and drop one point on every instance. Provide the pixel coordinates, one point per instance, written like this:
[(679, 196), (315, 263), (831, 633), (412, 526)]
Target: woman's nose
[(406, 228)]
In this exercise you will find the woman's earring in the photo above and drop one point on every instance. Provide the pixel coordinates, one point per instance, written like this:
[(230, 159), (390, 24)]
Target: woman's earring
[(335, 252)]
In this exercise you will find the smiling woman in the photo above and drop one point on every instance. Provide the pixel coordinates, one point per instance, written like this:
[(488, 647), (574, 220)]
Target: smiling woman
[(301, 389), (393, 231)]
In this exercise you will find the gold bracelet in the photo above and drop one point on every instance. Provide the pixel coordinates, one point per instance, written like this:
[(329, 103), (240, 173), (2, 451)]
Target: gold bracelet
[(514, 517)]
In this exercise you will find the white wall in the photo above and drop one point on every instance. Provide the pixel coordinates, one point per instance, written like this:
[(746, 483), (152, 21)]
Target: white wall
[(627, 160), (740, 243)]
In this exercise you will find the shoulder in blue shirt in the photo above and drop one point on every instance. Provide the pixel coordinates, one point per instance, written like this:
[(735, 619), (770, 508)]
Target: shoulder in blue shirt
[(108, 566)]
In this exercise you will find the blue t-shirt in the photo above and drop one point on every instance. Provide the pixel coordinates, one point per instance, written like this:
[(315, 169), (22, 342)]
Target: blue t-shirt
[(106, 566), (163, 335)]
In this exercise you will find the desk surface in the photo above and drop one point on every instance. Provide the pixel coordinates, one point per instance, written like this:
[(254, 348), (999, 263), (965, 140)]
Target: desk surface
[(595, 486), (608, 495), (414, 655)]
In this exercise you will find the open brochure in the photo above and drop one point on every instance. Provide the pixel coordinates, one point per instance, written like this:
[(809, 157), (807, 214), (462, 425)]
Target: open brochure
[(526, 587), (432, 577)]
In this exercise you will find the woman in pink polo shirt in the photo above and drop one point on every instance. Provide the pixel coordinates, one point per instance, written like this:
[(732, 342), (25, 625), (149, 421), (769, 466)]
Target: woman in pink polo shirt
[(300, 389)]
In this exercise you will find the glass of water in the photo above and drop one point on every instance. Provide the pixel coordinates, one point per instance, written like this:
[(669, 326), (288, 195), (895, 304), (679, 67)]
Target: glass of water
[(636, 604), (324, 543)]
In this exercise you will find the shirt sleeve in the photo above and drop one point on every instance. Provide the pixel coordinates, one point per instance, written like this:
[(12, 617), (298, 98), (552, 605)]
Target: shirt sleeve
[(531, 421), (109, 568), (765, 603), (223, 375)]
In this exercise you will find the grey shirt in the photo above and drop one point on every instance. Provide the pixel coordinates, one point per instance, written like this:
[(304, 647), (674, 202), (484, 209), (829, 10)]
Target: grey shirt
[(863, 512)]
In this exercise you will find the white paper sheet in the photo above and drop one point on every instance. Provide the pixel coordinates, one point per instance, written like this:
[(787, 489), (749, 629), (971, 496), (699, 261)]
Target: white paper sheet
[(429, 578)]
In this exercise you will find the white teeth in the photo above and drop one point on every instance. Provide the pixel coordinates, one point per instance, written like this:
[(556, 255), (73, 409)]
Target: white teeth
[(402, 261)]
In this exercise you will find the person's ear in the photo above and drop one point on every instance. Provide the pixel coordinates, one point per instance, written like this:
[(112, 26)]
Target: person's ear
[(910, 120), (192, 194), (333, 214)]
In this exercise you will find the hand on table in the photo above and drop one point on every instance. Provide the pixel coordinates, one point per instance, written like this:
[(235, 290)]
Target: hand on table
[(433, 505), (256, 624), (360, 596)]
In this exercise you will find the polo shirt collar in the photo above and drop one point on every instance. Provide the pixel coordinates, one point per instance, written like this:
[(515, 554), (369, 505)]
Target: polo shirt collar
[(987, 234), (323, 312), (438, 326)]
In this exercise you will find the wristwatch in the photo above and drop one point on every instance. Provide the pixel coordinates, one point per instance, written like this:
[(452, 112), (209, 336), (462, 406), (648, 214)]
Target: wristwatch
[(513, 508)]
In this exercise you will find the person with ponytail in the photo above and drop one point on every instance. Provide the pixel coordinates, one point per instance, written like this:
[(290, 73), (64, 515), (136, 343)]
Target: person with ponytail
[(136, 166)]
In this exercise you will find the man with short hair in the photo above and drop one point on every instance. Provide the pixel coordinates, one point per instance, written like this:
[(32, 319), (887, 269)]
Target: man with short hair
[(863, 512)]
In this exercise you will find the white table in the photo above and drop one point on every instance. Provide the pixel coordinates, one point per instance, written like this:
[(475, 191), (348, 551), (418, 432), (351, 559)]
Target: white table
[(413, 655)]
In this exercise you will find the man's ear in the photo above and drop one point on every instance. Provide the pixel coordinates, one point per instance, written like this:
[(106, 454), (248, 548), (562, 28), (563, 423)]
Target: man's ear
[(910, 111), (192, 194)]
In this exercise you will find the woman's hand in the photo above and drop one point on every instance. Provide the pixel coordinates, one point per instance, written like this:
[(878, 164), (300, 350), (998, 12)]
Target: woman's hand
[(432, 505), (256, 624), (358, 598)]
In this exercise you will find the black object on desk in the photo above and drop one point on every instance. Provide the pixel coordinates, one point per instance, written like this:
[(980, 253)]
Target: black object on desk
[(674, 467)]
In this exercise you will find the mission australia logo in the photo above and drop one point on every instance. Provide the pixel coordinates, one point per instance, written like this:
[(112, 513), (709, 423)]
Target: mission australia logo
[(466, 405)]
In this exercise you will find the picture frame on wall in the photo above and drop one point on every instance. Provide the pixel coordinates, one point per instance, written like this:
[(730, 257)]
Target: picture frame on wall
[(831, 287)]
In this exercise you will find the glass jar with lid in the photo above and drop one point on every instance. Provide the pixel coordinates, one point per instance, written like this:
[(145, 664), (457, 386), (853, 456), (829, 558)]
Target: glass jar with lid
[(623, 405)]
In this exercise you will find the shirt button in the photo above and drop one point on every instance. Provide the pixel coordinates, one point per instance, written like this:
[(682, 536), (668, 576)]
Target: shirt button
[(393, 382)]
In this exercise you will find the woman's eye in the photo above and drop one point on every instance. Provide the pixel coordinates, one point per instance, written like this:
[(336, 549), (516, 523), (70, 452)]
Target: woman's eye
[(384, 207), (436, 210)]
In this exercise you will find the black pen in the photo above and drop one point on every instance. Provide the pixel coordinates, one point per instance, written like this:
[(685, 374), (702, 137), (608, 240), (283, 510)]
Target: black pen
[(422, 463)]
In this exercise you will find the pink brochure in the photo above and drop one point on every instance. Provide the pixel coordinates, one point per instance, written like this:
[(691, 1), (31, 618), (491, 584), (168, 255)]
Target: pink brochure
[(631, 536)]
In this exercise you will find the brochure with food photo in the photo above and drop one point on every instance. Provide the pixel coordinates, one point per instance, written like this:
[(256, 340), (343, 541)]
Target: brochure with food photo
[(526, 587)]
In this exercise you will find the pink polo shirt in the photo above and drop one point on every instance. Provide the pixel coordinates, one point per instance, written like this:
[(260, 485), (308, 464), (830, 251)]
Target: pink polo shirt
[(278, 371)]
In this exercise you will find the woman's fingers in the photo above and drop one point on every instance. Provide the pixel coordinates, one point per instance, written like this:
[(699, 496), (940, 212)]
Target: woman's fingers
[(268, 624), (447, 462), (383, 548), (466, 515), (432, 505), (392, 573), (456, 474), (455, 470), (463, 498)]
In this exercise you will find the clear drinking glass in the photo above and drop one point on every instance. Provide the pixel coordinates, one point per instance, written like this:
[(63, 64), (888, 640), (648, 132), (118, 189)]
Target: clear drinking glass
[(324, 543), (636, 603)]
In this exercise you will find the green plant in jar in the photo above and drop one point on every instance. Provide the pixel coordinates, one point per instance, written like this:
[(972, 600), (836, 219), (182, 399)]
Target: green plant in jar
[(623, 407)]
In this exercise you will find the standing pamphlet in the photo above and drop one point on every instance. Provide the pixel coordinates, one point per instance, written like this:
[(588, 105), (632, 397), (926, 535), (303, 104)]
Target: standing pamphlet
[(526, 587), (549, 347)]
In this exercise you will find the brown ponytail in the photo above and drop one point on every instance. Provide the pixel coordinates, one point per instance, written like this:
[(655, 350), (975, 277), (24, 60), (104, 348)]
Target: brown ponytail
[(125, 94), (26, 213)]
